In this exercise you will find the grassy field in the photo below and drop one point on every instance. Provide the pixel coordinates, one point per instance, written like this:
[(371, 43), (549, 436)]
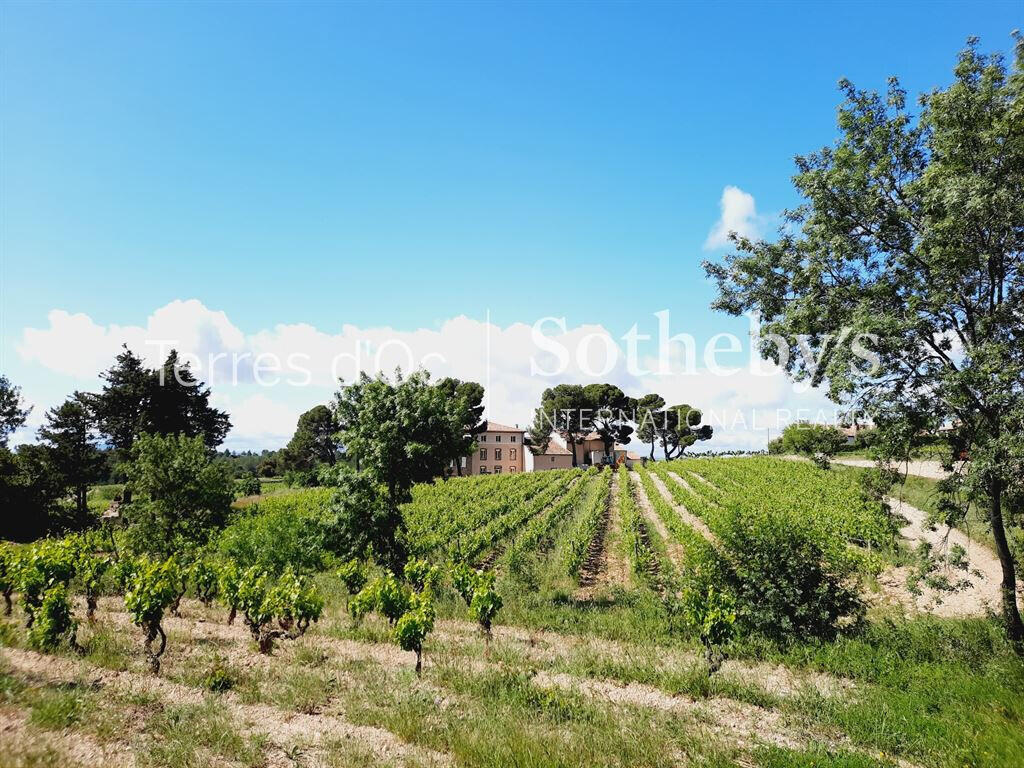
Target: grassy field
[(584, 670)]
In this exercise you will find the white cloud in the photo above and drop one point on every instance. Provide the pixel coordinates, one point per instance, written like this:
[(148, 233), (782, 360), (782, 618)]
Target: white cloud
[(264, 413), (739, 215)]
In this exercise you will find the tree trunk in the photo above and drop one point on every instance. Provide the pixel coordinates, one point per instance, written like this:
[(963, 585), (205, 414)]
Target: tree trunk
[(8, 606), (572, 449), (419, 662), (652, 450), (1011, 613)]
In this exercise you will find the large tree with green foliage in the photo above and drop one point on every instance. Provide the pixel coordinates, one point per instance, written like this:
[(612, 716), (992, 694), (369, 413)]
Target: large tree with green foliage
[(470, 398), (612, 413), (12, 410), (648, 411), (74, 459), (678, 427), (400, 432), (179, 404), (167, 401), (315, 441), (912, 231), (182, 495), (564, 409)]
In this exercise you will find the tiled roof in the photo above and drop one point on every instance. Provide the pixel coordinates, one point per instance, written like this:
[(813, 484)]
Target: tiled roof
[(493, 426), (556, 449)]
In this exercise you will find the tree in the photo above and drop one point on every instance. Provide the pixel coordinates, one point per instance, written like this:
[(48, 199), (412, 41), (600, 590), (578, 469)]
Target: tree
[(816, 441), (179, 404), (73, 456), (12, 411), (469, 397), (902, 274), (137, 399), (648, 410), (679, 427), (564, 409), (315, 441), (120, 408), (401, 433), (611, 410), (183, 494)]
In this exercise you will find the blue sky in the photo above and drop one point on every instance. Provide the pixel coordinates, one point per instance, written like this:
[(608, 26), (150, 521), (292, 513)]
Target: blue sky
[(404, 164)]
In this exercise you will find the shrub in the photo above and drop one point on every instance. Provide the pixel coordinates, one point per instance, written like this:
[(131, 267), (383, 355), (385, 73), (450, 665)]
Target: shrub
[(298, 602), (279, 532), (464, 580), (392, 599), (8, 574), (90, 573), (204, 580), (182, 495), (54, 622), (47, 564), (385, 595), (292, 601), (353, 577), (485, 604), (712, 615), (247, 485), (422, 575), (414, 625), (228, 579), (151, 591), (791, 578)]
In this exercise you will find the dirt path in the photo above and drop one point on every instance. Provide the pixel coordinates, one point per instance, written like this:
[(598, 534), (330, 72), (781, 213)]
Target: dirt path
[(284, 729), (20, 742), (984, 571), (605, 567), (674, 550), (684, 514), (923, 468)]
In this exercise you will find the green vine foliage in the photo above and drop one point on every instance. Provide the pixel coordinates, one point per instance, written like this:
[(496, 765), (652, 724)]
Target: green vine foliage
[(54, 622), (91, 569), (415, 624), (151, 591), (710, 613), (353, 576), (298, 601), (203, 576), (293, 601), (422, 575), (485, 604), (229, 577), (464, 580), (48, 563), (9, 567)]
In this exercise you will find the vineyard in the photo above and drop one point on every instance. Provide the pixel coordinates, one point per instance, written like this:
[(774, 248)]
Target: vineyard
[(694, 612)]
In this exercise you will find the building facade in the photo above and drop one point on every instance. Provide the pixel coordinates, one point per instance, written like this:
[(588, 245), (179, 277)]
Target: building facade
[(499, 451)]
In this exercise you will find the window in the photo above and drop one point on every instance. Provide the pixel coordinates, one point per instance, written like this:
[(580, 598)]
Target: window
[(497, 469), (513, 438), (463, 462), (483, 438), (511, 469), (497, 438), (483, 470), (483, 454), (552, 459), (497, 454), (512, 453)]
